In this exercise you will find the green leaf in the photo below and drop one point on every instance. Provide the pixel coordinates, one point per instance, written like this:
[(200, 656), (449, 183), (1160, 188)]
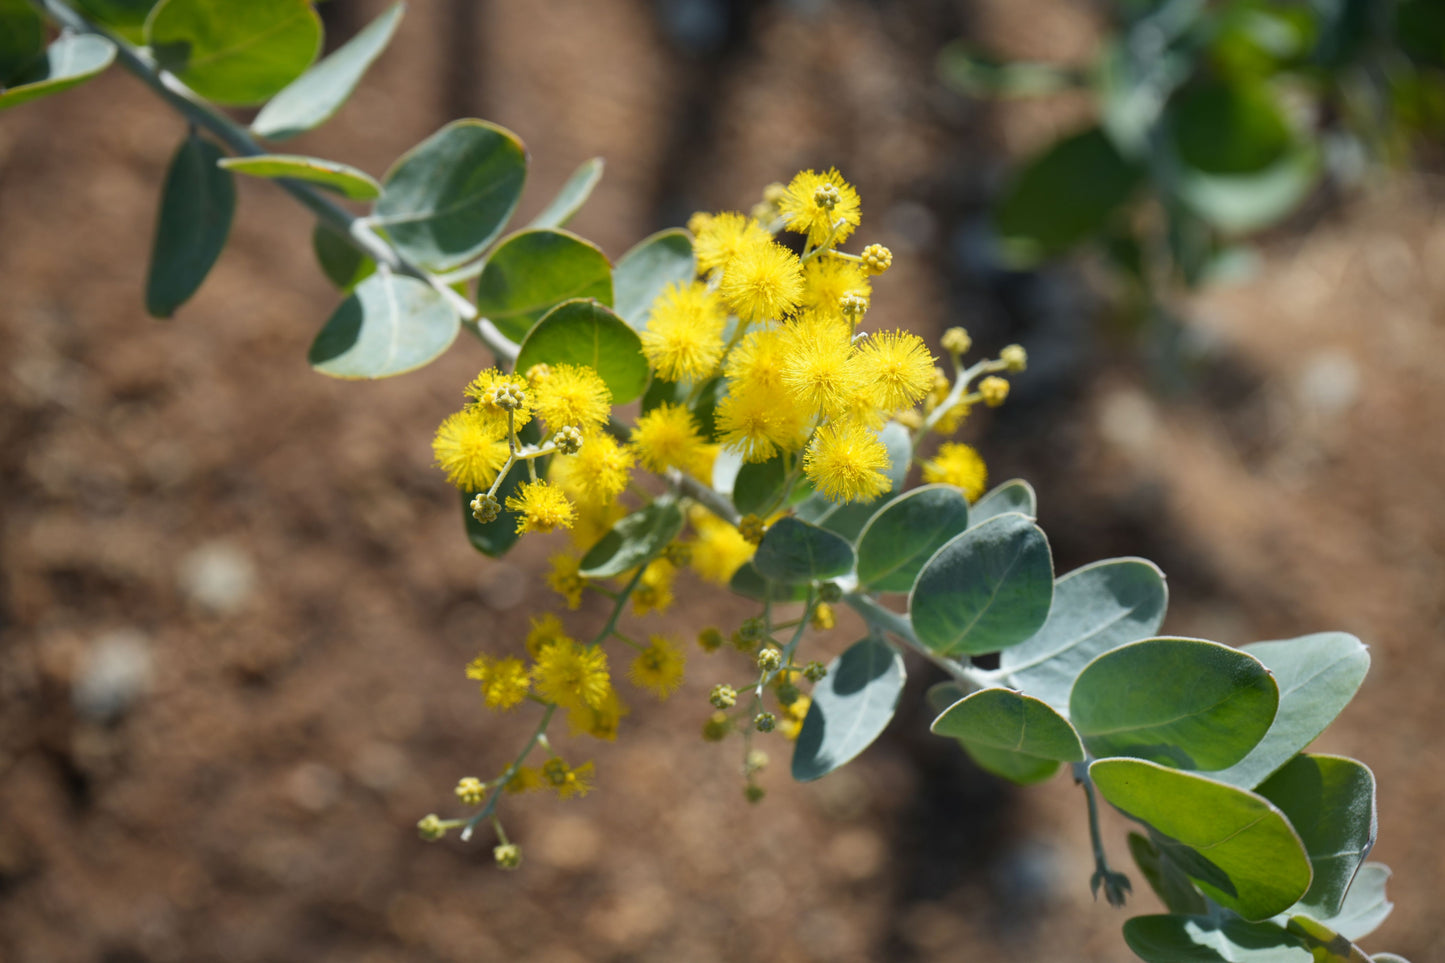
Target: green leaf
[(68, 62), (1365, 906), (1011, 734), (448, 197), (1388, 958), (22, 38), (1062, 196), (1096, 608), (1317, 675), (1330, 801), (973, 73), (1014, 495), (633, 540), (848, 519), (1244, 203), (571, 197), (234, 53), (758, 484), (1185, 703), (391, 324), (1326, 945), (585, 332), (340, 260), (984, 590), (125, 18), (749, 583), (533, 271), (1245, 855), (496, 537), (642, 273), (332, 175), (197, 204), (1200, 939), (941, 695), (793, 551), (905, 533), (1229, 128), (314, 97), (851, 707), (1169, 882)]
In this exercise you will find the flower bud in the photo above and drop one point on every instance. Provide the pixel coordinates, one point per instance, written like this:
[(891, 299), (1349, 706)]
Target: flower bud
[(770, 659), (717, 727), (568, 440), (830, 592), (764, 721), (1014, 357), (787, 693), (471, 791), (754, 793), (751, 528), (956, 341), (815, 672), (430, 827), (485, 508), (993, 390), (877, 259), (507, 855), (710, 639), (723, 696)]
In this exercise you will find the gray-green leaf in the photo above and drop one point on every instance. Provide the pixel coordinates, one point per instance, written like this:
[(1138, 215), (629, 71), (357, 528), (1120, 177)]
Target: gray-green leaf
[(197, 203), (68, 62), (633, 540), (649, 267), (234, 53), (571, 197), (905, 533), (533, 271), (585, 332), (851, 707), (793, 551), (1010, 734), (1014, 495), (388, 326), (332, 175), (1202, 939)]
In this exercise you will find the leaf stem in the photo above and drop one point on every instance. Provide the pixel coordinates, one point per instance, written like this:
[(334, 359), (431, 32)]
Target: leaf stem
[(883, 620)]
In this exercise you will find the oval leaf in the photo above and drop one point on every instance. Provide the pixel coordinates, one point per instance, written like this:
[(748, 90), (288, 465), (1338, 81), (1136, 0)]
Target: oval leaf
[(1011, 734), (234, 53), (572, 196), (534, 271), (339, 258), (1186, 703), (311, 99), (1228, 128), (197, 204), (1015, 495), (1317, 675), (1241, 850), (1165, 878), (69, 61), (1365, 906), (905, 533), (984, 590), (449, 196), (1326, 945), (851, 707), (124, 18), (332, 175), (633, 540), (388, 326), (1330, 801), (1200, 939), (748, 583), (1096, 608), (585, 332), (792, 552), (657, 261), (1245, 203), (756, 485)]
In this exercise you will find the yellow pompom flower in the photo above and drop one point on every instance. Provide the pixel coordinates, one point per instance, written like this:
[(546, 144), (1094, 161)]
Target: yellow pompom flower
[(826, 280), (720, 550), (540, 507), (790, 721), (565, 780), (573, 394), (757, 361), (467, 447), (524, 779), (565, 580), (846, 462), (572, 675), (598, 473), (653, 592), (815, 203), (667, 437), (482, 395), (506, 684), (759, 422), (958, 465), (593, 522), (819, 370), (545, 630), (763, 281), (683, 340), (721, 237), (659, 667), (898, 368), (600, 723)]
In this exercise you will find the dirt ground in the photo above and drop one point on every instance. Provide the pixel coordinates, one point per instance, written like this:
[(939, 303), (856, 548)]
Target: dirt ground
[(237, 598)]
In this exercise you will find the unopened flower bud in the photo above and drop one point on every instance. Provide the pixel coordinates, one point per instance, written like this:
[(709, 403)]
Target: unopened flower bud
[(909, 419), (830, 592), (787, 693), (751, 528), (723, 696), (877, 259), (507, 855), (509, 397), (568, 440), (1014, 357), (770, 659), (430, 827), (754, 793), (774, 193), (993, 390), (827, 196), (538, 373), (956, 341), (717, 727), (485, 508), (756, 761), (753, 628), (471, 791), (678, 553), (764, 721), (710, 639), (815, 672), (699, 222), (853, 305)]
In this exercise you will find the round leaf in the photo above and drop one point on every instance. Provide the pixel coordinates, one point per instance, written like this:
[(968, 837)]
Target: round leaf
[(1200, 939), (1317, 675), (1233, 128), (234, 53), (534, 271), (449, 196), (1169, 882), (1326, 945), (311, 99), (1237, 847), (1014, 495), (125, 18), (633, 540), (340, 261), (572, 196), (1365, 906), (657, 261), (22, 38), (984, 590), (1011, 734), (332, 175), (1096, 608), (757, 484), (748, 583), (1185, 703), (851, 707), (68, 62), (1330, 801), (905, 533), (585, 332), (388, 326), (197, 203), (1245, 203), (793, 551)]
